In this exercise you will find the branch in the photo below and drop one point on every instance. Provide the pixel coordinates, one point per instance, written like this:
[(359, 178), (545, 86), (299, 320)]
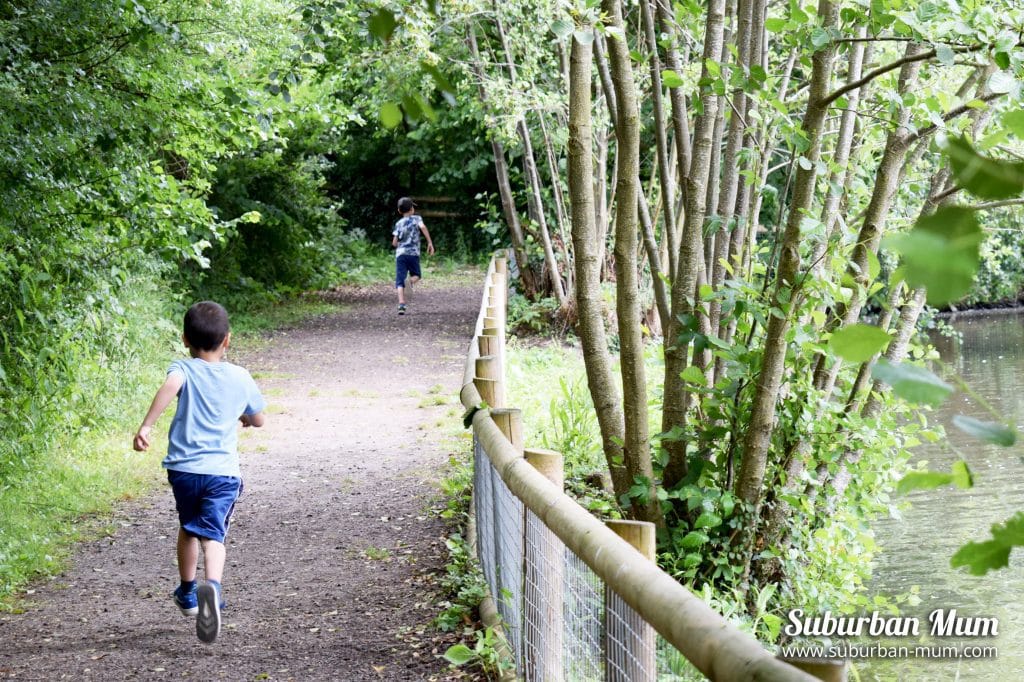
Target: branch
[(988, 205), (949, 116), (882, 70)]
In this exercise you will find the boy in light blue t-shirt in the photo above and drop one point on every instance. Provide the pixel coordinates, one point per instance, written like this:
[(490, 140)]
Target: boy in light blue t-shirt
[(202, 455)]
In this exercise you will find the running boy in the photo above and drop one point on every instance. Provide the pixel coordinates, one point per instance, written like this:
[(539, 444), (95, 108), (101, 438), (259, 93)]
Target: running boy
[(202, 455), (406, 240)]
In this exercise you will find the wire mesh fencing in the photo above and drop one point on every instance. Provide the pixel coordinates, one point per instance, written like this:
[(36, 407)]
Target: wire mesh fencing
[(562, 622)]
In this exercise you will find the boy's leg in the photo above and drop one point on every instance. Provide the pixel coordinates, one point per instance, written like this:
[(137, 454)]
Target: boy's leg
[(188, 556), (214, 556), (401, 269), (414, 273)]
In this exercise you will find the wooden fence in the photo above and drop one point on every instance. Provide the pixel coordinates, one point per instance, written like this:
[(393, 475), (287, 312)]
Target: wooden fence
[(543, 555)]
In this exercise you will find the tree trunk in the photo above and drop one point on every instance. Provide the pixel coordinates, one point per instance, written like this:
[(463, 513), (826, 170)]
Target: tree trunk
[(750, 478), (508, 205), (533, 176), (684, 284), (636, 449), (589, 301)]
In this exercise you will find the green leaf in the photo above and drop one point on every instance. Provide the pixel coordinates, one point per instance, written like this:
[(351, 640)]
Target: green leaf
[(941, 253), (382, 24), (820, 38), (583, 37), (390, 115), (671, 79), (1002, 82), (693, 375), (775, 24), (945, 54), (962, 477), (1014, 120), (459, 654), (859, 342), (912, 383), (923, 480), (708, 520), (999, 434), (693, 540), (561, 28), (981, 176), (981, 557)]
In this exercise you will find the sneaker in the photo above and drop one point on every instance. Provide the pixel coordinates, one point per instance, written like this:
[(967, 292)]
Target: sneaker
[(401, 309), (208, 613), (188, 602)]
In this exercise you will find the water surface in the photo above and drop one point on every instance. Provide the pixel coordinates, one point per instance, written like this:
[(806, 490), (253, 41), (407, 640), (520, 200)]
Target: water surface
[(916, 549)]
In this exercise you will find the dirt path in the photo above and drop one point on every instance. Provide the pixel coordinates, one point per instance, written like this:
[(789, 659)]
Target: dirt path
[(333, 554)]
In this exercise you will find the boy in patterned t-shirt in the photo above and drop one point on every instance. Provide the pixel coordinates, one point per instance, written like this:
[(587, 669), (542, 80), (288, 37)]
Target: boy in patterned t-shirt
[(406, 240)]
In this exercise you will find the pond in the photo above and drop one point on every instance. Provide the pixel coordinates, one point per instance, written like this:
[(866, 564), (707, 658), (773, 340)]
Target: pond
[(916, 549)]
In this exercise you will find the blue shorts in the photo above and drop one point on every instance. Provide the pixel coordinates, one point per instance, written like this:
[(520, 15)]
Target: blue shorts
[(406, 264), (204, 502)]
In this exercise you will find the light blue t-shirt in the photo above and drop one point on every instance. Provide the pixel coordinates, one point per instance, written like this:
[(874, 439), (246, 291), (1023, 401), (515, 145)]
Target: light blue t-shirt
[(408, 232), (204, 433)]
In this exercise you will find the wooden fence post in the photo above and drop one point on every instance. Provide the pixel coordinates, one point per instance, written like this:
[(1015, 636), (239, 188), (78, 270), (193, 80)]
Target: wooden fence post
[(508, 532), (488, 380), (544, 559), (630, 652)]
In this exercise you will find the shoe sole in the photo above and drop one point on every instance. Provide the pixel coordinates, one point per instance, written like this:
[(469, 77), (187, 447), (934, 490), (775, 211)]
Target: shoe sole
[(401, 312), (189, 612), (207, 615)]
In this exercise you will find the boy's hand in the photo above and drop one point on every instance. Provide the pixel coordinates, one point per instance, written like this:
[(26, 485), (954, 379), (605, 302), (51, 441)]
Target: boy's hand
[(141, 442), (430, 249)]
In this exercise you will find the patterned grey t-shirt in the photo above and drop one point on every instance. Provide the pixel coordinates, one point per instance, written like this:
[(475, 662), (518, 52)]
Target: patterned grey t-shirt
[(408, 232)]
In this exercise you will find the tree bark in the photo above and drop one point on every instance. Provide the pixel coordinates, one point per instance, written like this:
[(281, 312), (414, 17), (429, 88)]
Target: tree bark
[(750, 478), (684, 284), (589, 302), (636, 447)]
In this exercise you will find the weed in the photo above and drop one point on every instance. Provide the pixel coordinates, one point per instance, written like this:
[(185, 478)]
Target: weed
[(377, 553)]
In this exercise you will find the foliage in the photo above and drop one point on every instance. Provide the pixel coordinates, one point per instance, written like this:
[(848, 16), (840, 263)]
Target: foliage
[(524, 316), (484, 654)]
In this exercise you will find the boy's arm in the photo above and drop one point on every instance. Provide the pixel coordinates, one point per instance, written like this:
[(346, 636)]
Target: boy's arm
[(256, 420), (426, 233), (164, 395)]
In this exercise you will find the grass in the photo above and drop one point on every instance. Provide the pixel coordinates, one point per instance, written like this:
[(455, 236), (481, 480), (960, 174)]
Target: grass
[(377, 553)]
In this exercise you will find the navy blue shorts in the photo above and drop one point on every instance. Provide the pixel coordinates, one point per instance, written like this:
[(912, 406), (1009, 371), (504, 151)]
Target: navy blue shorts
[(204, 502), (406, 264)]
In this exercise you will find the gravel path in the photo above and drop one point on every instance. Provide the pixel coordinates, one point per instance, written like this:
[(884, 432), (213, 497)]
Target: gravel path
[(333, 554)]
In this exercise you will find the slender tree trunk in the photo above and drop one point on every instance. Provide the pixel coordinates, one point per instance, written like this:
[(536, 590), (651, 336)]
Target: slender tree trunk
[(533, 175), (556, 191), (589, 301), (757, 440), (636, 447), (508, 205), (684, 284), (680, 127), (886, 183), (731, 166), (665, 171)]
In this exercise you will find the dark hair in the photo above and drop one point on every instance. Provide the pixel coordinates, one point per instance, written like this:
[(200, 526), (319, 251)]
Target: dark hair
[(405, 204), (206, 325)]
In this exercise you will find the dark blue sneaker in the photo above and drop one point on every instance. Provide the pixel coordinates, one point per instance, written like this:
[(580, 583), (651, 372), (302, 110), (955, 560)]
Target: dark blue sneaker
[(208, 613), (188, 602)]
